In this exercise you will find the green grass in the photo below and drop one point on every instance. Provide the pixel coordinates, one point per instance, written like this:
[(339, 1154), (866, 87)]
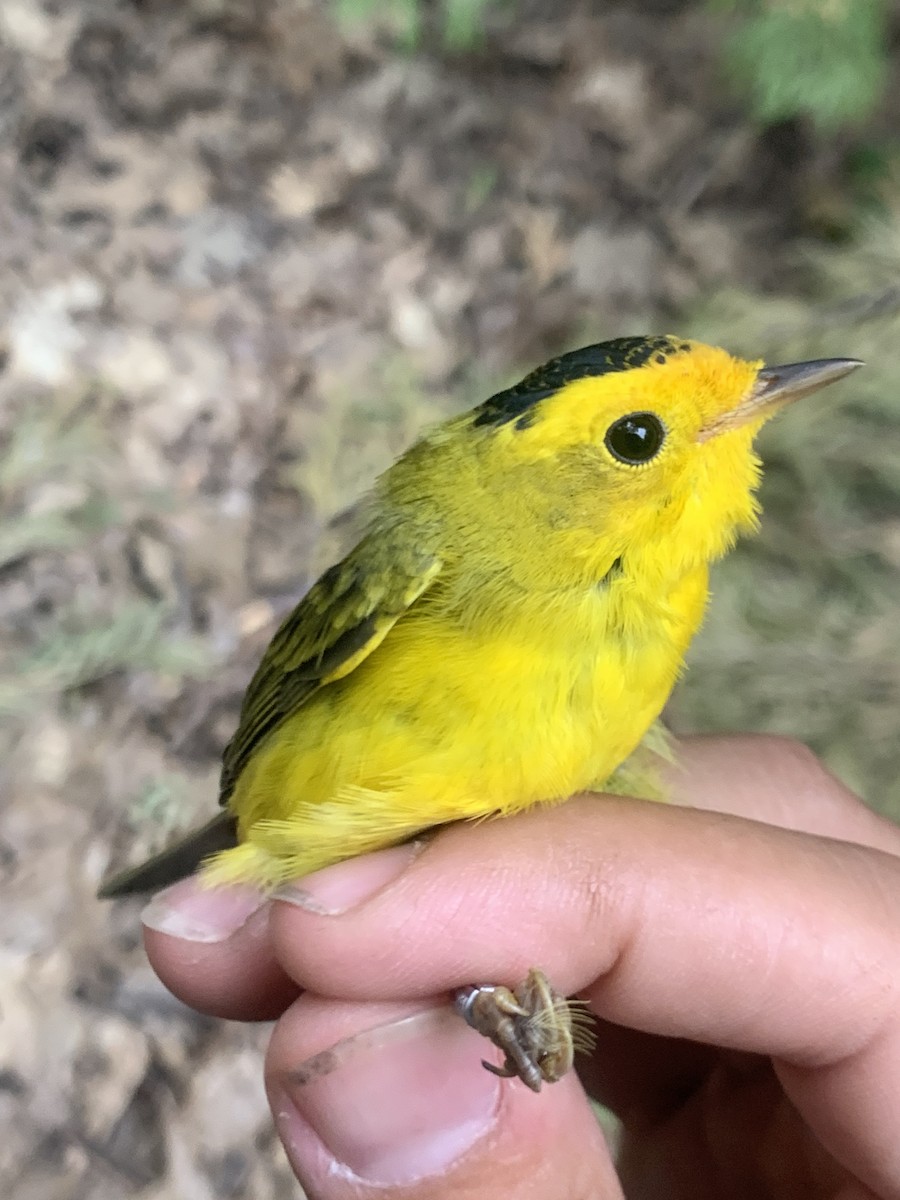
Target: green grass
[(825, 59), (81, 647), (61, 492)]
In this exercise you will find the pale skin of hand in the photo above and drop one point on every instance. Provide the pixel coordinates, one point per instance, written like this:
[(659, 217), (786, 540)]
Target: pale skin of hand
[(739, 948)]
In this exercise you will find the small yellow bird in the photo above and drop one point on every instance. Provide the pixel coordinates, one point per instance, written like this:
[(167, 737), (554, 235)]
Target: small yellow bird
[(513, 620)]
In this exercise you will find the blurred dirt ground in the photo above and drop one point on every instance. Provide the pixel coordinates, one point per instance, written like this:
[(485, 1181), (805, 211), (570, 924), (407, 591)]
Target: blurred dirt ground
[(245, 255)]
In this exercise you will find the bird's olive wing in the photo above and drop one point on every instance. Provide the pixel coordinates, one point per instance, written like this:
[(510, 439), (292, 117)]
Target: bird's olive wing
[(337, 624)]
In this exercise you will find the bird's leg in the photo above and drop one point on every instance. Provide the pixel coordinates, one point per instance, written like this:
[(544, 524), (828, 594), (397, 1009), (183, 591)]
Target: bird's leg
[(493, 1012), (537, 1029)]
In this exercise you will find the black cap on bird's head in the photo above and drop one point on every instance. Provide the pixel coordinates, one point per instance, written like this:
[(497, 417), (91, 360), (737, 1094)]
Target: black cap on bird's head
[(518, 403)]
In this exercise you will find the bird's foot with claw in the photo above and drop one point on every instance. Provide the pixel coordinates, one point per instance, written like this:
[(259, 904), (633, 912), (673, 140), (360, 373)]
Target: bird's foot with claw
[(536, 1028)]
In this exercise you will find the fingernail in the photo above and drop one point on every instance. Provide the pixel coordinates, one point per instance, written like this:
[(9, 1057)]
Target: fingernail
[(334, 890), (396, 1104), (199, 914)]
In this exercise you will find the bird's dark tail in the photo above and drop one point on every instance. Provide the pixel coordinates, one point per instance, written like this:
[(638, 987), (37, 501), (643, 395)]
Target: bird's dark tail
[(176, 862)]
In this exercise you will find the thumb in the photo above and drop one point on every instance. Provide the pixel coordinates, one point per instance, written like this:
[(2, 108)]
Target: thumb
[(375, 1099)]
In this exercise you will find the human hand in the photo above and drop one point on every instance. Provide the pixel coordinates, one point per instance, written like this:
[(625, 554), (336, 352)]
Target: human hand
[(740, 955)]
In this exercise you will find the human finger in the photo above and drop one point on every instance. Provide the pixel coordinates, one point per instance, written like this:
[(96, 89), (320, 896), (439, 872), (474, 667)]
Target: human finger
[(209, 946), (390, 1100), (777, 780), (211, 949), (677, 922)]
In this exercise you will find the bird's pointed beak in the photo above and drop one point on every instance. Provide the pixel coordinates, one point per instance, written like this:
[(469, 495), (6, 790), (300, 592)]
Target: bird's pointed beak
[(776, 387)]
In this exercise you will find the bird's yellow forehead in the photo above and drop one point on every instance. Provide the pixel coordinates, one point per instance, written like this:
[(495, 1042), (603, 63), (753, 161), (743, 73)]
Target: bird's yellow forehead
[(696, 385), (523, 403), (687, 387)]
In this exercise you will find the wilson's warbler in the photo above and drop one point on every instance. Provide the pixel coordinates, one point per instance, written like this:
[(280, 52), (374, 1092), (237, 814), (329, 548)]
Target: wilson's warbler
[(514, 618)]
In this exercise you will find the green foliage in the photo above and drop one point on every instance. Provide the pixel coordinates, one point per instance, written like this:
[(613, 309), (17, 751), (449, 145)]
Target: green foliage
[(84, 647), (480, 186), (37, 512), (460, 21), (826, 59), (463, 20), (50, 522), (55, 472)]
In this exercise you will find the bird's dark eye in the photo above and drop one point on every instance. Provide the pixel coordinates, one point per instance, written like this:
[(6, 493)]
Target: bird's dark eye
[(636, 438)]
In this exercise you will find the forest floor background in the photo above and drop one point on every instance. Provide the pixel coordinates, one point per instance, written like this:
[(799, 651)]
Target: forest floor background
[(246, 255)]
